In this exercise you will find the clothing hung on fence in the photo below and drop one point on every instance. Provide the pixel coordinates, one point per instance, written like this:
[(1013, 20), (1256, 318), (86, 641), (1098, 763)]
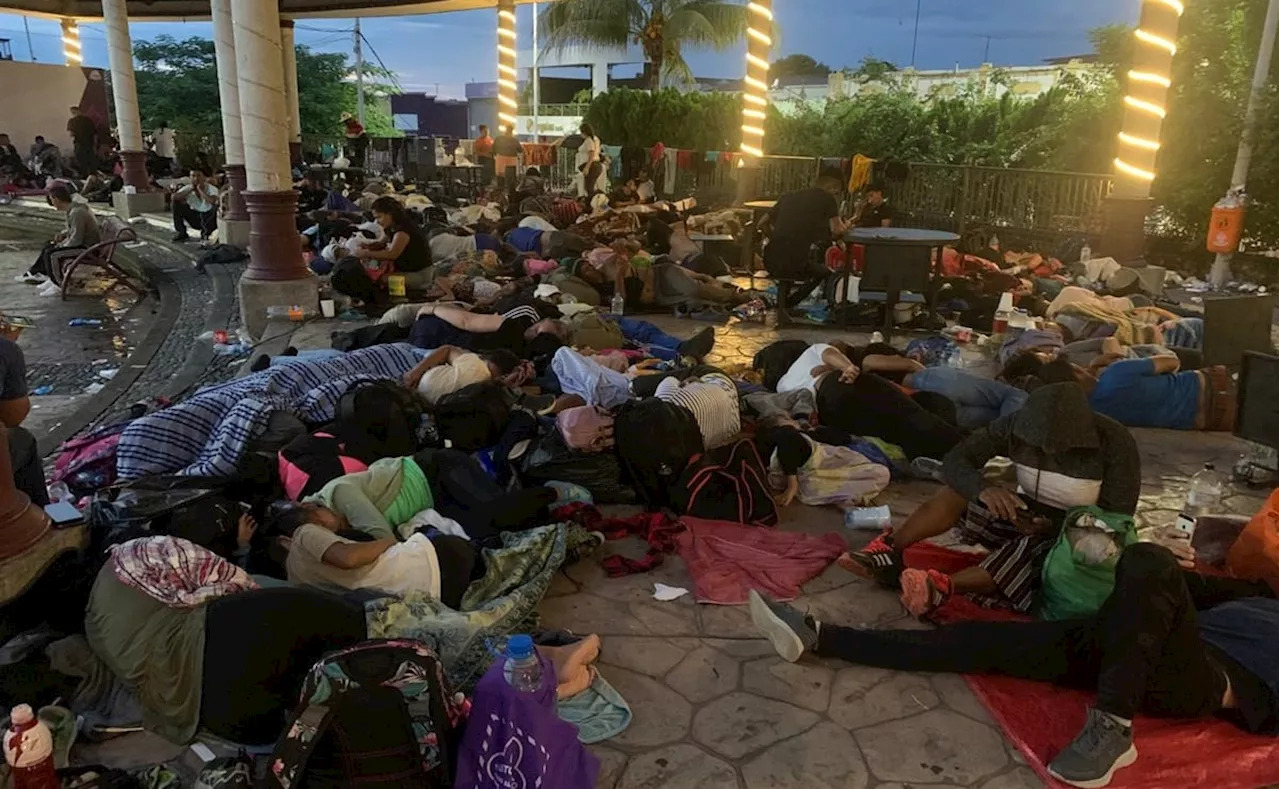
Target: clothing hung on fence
[(861, 176), (671, 158), (538, 154)]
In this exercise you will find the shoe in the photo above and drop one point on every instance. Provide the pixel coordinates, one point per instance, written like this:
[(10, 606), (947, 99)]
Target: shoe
[(178, 238), (1103, 746), (924, 591), (879, 561), (260, 364), (791, 632), (699, 345), (927, 468), (27, 278)]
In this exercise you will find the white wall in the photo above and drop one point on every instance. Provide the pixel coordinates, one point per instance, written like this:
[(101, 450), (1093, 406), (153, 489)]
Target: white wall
[(36, 101)]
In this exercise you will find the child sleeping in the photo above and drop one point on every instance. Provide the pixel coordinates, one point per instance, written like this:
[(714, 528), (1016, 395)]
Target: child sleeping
[(816, 466)]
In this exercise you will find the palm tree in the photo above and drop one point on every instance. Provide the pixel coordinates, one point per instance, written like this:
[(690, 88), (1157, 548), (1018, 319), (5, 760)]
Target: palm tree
[(662, 28)]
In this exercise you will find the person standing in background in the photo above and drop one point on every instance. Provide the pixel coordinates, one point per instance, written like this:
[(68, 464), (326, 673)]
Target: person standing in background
[(84, 134), (357, 139), (165, 145), (482, 149), (506, 153)]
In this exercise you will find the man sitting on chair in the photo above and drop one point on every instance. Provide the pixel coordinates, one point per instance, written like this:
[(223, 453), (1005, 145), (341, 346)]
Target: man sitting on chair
[(799, 221)]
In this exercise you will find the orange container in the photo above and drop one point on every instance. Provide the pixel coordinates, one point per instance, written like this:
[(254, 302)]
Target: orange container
[(1224, 228)]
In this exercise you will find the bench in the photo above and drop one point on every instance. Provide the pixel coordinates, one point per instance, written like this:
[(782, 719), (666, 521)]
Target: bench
[(114, 232)]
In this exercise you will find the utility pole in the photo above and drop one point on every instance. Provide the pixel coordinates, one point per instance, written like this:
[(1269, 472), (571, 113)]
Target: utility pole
[(359, 73), (536, 93), (986, 50), (1221, 271), (915, 35)]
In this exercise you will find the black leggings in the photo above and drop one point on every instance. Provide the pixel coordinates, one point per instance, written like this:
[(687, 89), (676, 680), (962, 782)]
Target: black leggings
[(1141, 651), (874, 406), (461, 490), (259, 645)]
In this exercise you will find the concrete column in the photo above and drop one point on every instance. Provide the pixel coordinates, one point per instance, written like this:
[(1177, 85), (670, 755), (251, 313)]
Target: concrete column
[(755, 97), (276, 273), (124, 92), (233, 228), (599, 78), (290, 63)]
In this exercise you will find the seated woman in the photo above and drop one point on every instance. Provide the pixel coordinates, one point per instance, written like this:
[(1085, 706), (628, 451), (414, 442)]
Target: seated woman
[(1064, 455), (862, 405), (1166, 642), (817, 467), (230, 664), (361, 277)]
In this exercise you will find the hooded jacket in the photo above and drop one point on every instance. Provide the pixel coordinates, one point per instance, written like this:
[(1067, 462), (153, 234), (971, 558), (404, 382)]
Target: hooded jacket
[(1055, 431)]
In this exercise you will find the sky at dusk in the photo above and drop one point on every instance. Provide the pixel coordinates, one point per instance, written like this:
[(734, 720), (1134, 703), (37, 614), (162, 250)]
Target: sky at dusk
[(440, 53)]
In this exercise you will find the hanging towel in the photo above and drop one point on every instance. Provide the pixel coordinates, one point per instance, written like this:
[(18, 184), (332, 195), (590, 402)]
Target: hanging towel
[(861, 172), (672, 163), (538, 154), (687, 160), (713, 156), (657, 152)]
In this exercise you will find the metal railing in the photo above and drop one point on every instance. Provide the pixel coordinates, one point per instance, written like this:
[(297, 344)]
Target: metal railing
[(556, 110)]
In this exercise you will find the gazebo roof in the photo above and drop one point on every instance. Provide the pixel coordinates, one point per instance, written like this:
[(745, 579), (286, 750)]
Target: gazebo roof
[(156, 10)]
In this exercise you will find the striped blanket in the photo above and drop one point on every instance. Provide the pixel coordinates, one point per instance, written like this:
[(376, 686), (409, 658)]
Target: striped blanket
[(209, 433)]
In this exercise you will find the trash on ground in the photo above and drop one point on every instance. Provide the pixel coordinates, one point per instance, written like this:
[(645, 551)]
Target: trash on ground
[(668, 593), (84, 322)]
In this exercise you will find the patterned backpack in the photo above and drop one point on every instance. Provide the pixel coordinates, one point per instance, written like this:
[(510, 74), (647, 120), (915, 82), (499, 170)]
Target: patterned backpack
[(384, 714)]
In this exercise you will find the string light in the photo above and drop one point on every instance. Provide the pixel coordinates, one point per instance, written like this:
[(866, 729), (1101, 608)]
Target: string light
[(1139, 142), (755, 89), (71, 51), (756, 130), (1149, 78), (1147, 37), (759, 36), (753, 113), (1145, 106), (507, 73), (1174, 5), (756, 83), (1136, 172), (757, 61), (762, 10), (751, 150)]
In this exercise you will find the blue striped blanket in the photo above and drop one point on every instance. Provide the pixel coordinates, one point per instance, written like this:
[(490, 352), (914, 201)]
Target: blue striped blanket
[(209, 433)]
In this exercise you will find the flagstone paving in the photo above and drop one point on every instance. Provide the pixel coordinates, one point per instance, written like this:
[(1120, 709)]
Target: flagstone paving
[(715, 708)]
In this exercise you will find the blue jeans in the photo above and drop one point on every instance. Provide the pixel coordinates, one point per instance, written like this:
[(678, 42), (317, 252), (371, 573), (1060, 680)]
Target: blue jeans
[(978, 400), (660, 344)]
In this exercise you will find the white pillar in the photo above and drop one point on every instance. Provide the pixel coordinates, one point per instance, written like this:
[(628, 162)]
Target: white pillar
[(123, 88), (599, 78), (290, 64), (264, 114), (224, 45)]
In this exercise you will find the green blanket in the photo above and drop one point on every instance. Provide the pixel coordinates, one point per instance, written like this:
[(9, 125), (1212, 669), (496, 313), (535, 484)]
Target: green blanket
[(502, 602)]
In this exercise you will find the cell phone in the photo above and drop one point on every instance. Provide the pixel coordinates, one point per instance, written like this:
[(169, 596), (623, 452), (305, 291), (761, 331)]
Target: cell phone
[(63, 514)]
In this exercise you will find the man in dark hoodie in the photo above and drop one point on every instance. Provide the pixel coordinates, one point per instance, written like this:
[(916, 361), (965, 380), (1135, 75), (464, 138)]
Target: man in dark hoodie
[(1064, 455)]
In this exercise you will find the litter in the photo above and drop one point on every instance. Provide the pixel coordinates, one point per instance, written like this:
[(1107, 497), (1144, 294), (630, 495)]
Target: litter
[(868, 517), (108, 374), (84, 322), (94, 388), (668, 593), (42, 390)]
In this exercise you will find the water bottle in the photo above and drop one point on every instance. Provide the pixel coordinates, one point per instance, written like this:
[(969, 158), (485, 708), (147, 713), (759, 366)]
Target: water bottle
[(1086, 254), (522, 670), (954, 359), (1204, 497), (617, 304), (28, 749)]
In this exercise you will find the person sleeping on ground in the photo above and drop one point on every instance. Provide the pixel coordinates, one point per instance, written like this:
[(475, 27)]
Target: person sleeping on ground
[(1064, 455), (818, 467), (448, 369), (438, 325), (861, 405), (201, 647), (1167, 642)]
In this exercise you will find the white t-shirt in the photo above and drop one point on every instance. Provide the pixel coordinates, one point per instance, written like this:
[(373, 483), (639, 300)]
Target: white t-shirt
[(410, 566), (446, 379), (538, 223), (798, 374), (589, 145), (447, 246), (164, 143)]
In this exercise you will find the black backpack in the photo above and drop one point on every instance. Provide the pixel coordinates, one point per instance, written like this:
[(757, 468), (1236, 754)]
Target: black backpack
[(474, 417), (375, 715), (386, 412), (728, 484), (655, 440)]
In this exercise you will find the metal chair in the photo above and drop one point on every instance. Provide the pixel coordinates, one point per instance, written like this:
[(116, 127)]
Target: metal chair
[(114, 232)]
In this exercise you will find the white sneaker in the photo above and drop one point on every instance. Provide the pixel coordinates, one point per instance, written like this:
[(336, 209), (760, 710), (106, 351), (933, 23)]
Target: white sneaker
[(28, 278)]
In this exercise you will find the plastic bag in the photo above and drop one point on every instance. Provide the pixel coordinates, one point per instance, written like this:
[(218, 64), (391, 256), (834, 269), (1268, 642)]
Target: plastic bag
[(1080, 569)]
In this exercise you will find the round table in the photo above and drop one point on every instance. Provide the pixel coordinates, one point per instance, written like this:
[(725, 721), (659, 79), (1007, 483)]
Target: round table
[(897, 259), (758, 207)]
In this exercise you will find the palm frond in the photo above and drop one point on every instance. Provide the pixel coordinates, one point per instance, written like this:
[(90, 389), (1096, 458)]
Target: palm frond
[(605, 23), (713, 23)]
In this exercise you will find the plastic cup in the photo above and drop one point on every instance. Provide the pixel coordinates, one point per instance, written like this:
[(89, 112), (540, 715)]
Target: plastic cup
[(327, 308)]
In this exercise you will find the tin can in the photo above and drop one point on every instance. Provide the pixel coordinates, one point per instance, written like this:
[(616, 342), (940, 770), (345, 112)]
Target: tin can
[(395, 285)]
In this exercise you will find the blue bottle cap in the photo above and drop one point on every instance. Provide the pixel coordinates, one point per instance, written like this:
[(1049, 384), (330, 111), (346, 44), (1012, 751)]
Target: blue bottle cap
[(519, 646)]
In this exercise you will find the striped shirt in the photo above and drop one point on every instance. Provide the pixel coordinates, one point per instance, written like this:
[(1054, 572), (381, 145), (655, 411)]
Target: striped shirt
[(713, 401)]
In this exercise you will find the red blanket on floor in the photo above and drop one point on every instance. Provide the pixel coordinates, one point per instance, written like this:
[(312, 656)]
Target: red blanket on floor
[(1040, 719), (727, 560)]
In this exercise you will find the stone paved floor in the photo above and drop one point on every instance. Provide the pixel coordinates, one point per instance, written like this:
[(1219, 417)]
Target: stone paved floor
[(715, 708)]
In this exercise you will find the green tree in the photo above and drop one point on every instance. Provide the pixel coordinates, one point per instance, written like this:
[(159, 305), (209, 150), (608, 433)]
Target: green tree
[(661, 28), (798, 66), (178, 83), (698, 121)]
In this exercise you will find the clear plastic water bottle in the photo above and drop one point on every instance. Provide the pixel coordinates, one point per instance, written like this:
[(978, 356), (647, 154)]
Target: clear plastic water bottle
[(522, 670), (617, 304), (954, 358), (877, 336), (1086, 254), (1204, 497)]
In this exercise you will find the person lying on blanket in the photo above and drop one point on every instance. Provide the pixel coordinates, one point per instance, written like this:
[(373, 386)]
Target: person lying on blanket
[(1167, 642), (817, 466), (1064, 455), (438, 325)]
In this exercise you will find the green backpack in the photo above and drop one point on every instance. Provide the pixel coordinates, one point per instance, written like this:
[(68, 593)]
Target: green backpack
[(592, 331), (1072, 584)]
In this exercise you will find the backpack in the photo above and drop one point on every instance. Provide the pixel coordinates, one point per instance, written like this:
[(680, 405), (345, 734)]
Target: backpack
[(386, 412), (654, 465), (377, 714), (474, 417), (592, 331), (727, 484), (587, 428)]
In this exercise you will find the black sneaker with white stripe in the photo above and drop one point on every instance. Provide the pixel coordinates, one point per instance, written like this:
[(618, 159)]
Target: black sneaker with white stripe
[(878, 561)]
